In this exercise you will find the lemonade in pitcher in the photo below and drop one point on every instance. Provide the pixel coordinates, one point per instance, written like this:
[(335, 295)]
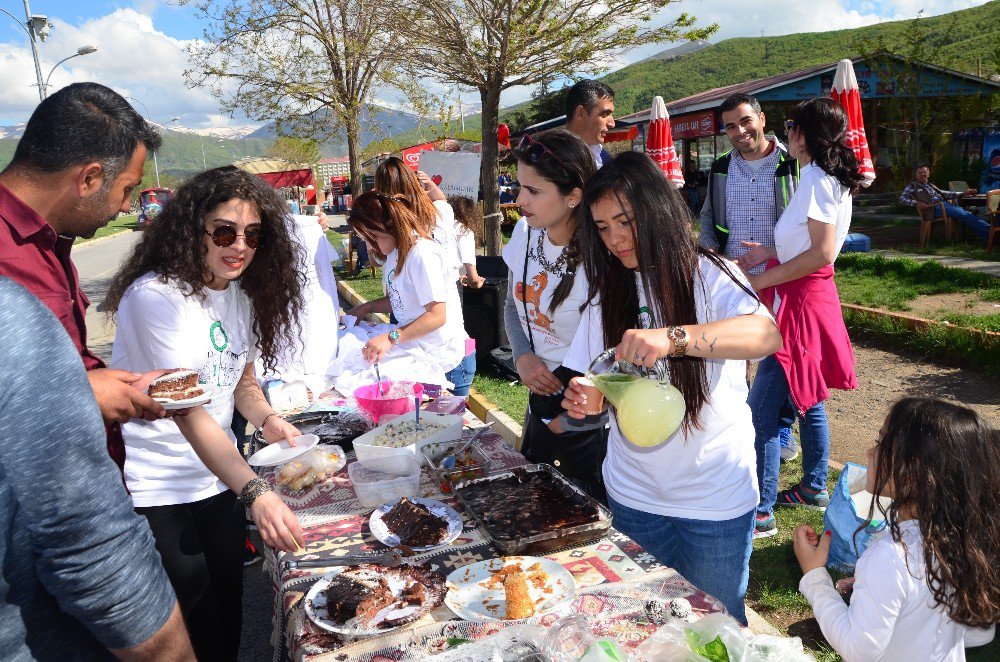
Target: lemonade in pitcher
[(648, 410)]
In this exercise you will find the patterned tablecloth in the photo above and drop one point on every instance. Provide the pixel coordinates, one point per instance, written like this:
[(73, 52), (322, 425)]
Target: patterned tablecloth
[(335, 524)]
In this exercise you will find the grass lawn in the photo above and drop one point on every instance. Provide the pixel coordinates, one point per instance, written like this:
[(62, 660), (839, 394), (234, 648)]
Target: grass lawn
[(120, 224)]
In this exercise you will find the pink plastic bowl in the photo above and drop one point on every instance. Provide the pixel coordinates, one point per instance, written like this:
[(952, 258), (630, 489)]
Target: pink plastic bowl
[(368, 400)]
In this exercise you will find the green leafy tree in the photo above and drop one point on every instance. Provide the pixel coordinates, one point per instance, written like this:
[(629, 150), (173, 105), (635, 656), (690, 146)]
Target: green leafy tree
[(291, 60), (492, 45), (295, 150)]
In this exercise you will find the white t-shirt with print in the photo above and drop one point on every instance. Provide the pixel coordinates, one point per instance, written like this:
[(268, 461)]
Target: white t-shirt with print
[(819, 196), (424, 279), (445, 235), (705, 474), (552, 332), (159, 327), (466, 245)]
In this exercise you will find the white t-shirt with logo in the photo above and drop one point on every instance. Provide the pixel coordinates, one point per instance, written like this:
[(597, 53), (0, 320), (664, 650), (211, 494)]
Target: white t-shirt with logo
[(705, 474), (426, 279), (819, 196), (552, 331), (159, 327)]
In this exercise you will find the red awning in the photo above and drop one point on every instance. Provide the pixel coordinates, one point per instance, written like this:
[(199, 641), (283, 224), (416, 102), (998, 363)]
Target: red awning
[(627, 133), (287, 178)]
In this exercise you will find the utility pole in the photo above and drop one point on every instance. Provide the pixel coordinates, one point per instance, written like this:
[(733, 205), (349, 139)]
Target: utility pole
[(37, 26)]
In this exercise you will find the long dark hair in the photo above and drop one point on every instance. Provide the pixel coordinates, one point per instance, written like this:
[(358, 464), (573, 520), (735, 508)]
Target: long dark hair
[(468, 215), (823, 123), (944, 464), (668, 262), (569, 164), (390, 214), (173, 247), (394, 177)]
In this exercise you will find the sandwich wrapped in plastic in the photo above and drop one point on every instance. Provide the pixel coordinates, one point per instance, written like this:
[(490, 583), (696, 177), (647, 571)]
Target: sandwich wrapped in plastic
[(313, 467)]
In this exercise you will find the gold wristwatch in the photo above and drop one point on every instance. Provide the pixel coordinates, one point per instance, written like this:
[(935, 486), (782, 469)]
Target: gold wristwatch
[(680, 339)]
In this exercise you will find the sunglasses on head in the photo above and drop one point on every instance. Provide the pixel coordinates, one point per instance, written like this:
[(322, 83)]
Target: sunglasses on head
[(790, 124), (225, 236), (535, 151)]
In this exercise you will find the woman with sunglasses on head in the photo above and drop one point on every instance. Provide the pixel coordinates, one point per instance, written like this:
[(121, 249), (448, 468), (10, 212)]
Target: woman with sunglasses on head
[(209, 285), (415, 277), (547, 290), (816, 355), (656, 295)]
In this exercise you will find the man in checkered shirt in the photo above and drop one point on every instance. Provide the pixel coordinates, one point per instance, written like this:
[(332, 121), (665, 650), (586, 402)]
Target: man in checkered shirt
[(921, 193), (749, 186)]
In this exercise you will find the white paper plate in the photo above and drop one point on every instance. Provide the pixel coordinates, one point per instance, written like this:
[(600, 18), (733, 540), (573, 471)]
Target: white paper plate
[(187, 402), (280, 452), (438, 509), (469, 598), (315, 604)]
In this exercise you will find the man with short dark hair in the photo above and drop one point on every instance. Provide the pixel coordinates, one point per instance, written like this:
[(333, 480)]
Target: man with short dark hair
[(922, 194), (82, 578), (590, 108), (73, 172)]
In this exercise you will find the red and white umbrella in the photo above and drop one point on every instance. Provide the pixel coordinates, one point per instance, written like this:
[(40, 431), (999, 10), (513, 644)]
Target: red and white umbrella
[(660, 143), (845, 90)]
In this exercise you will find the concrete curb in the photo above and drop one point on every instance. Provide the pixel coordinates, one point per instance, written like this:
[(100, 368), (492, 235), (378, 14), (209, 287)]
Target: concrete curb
[(91, 242), (986, 338)]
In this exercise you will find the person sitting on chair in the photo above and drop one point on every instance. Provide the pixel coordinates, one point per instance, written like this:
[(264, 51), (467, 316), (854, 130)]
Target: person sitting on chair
[(921, 193)]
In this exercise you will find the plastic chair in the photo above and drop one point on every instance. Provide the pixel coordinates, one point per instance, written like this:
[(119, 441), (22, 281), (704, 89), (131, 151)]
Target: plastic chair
[(993, 213), (927, 219)]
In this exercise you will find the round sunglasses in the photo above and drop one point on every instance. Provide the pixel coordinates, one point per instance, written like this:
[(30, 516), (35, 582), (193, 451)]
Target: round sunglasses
[(225, 236)]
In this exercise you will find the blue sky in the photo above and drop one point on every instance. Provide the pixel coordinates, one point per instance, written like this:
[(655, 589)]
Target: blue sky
[(141, 46)]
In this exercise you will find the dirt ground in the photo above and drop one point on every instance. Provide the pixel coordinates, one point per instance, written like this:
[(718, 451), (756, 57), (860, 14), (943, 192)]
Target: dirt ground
[(884, 377), (969, 303)]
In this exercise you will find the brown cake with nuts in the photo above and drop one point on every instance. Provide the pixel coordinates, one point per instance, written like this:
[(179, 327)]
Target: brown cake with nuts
[(178, 385), (414, 524)]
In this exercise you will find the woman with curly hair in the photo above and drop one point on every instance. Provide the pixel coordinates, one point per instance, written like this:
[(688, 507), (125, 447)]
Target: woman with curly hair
[(212, 282), (816, 355), (937, 571)]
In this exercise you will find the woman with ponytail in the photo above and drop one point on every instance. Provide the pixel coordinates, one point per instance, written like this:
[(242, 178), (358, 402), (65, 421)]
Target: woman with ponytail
[(547, 291), (816, 355)]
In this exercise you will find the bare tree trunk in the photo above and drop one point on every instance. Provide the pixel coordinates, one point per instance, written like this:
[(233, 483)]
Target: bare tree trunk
[(353, 130), (490, 98)]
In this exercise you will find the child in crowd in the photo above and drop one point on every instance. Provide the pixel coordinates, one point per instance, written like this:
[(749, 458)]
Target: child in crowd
[(936, 571), (469, 234)]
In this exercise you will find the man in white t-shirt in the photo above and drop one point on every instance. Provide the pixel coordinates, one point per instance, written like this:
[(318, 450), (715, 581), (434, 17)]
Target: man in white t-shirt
[(590, 108)]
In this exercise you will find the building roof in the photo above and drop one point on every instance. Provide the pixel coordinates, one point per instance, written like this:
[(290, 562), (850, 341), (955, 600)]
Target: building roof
[(336, 159)]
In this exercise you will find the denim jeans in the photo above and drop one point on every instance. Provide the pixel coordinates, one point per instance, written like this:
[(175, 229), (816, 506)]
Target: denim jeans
[(967, 218), (768, 396), (462, 375), (714, 556)]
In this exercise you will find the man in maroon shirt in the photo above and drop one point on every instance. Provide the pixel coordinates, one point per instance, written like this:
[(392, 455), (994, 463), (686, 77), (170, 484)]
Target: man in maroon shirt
[(73, 171)]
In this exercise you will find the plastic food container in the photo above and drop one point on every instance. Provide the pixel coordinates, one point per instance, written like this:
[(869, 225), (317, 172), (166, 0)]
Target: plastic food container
[(366, 448), (381, 480), (378, 407), (471, 464), (509, 543)]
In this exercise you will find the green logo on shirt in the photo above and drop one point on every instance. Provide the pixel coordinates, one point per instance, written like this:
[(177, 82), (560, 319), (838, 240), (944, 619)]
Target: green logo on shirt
[(218, 336)]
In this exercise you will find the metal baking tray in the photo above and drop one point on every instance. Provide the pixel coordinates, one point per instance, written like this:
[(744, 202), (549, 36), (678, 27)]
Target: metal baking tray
[(332, 427), (510, 543)]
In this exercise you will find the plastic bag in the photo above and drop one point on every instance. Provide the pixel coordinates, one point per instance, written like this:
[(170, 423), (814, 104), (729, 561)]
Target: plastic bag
[(716, 638), (571, 640), (317, 465), (847, 511), (767, 648)]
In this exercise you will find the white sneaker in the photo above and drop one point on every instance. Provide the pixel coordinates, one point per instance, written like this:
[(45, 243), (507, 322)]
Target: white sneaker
[(789, 453)]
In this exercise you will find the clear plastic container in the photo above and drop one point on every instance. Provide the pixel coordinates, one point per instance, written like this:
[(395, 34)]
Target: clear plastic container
[(384, 480)]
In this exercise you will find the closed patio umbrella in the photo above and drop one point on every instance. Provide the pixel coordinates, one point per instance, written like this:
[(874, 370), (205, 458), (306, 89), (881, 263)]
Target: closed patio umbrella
[(845, 90), (660, 143)]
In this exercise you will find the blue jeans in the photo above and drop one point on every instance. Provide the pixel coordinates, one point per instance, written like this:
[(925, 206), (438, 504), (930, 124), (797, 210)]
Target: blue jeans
[(714, 556), (462, 375), (967, 218), (769, 395)]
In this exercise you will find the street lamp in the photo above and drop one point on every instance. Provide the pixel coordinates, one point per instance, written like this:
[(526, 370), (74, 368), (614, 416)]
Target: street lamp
[(83, 50), (36, 25), (156, 166)]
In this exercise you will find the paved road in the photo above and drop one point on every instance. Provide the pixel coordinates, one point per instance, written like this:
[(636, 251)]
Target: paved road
[(97, 263), (982, 266)]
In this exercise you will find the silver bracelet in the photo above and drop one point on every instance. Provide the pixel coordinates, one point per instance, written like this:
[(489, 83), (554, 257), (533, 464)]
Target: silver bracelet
[(252, 490)]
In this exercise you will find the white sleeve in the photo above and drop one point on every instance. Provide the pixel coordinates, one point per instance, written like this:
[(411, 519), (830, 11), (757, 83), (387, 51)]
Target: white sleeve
[(588, 341), (425, 268), (823, 200), (467, 247), (513, 252), (725, 297), (152, 327), (862, 630), (445, 213)]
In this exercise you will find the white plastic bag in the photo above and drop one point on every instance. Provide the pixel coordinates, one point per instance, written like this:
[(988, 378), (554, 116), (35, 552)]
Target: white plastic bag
[(702, 640)]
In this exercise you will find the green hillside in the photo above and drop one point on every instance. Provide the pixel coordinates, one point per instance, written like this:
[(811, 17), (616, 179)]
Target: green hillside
[(961, 39)]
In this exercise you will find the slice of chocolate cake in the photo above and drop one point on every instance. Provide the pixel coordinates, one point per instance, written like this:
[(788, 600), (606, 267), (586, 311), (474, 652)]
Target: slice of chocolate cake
[(414, 524), (358, 595), (179, 385)]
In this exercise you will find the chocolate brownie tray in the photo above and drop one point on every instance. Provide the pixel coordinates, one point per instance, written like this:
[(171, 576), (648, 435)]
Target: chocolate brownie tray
[(533, 510), (332, 427)]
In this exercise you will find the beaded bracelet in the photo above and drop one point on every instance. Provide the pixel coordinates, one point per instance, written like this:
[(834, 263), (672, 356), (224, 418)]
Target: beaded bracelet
[(252, 490)]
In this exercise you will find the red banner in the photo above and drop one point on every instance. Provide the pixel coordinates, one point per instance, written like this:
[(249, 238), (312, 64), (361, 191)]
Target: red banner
[(411, 155), (693, 125)]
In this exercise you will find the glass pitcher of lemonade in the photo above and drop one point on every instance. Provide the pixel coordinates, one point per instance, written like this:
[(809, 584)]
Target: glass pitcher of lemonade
[(648, 407)]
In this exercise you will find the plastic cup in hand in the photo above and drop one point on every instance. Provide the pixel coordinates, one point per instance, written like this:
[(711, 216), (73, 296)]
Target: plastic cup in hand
[(595, 399)]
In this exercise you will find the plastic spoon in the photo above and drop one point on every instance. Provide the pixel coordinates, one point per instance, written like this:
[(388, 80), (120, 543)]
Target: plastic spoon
[(378, 379), (416, 399)]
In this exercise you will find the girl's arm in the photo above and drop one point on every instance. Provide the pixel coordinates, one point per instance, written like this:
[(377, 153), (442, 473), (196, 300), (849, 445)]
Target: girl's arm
[(744, 337), (432, 319), (433, 192), (380, 305), (532, 370), (250, 402), (821, 252)]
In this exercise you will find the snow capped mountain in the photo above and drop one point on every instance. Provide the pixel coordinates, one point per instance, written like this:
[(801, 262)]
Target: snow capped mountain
[(228, 132), (15, 131)]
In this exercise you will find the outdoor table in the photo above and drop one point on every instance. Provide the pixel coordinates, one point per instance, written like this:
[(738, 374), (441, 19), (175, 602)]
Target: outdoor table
[(978, 200), (612, 574)]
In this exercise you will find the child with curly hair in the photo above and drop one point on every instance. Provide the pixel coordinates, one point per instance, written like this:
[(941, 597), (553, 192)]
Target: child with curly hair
[(936, 571)]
